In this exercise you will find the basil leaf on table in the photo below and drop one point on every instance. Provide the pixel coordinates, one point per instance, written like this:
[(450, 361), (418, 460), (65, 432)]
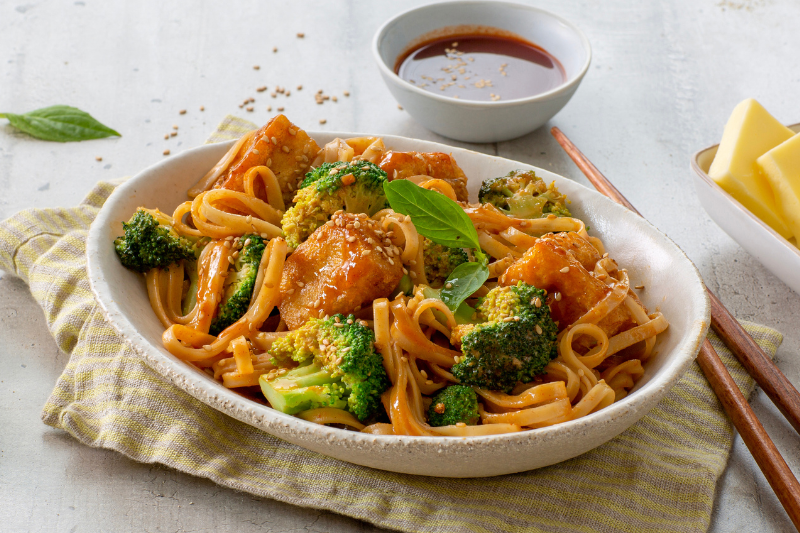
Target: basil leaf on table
[(463, 281), (60, 123), (435, 216)]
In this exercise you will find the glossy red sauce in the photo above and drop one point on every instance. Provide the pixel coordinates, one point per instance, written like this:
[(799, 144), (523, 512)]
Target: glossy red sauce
[(481, 67)]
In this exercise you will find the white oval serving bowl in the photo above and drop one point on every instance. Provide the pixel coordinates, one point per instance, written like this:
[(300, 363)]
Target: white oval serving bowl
[(781, 257), (475, 121), (673, 286)]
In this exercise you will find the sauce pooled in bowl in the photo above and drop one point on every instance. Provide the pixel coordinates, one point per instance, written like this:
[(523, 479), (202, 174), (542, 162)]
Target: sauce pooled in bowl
[(481, 66)]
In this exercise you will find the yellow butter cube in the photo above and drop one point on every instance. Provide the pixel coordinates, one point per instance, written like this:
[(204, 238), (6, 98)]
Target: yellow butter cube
[(750, 132), (781, 167)]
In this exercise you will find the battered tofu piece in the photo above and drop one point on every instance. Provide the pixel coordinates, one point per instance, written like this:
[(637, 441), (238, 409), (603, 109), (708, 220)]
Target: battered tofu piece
[(577, 246), (280, 145), (438, 165), (345, 263), (549, 266)]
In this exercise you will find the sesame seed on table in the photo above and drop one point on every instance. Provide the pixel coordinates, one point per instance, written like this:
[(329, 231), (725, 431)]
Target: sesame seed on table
[(657, 90)]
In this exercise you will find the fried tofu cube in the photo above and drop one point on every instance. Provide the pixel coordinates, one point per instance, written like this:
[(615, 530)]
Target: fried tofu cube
[(437, 165), (344, 264), (280, 145), (549, 266)]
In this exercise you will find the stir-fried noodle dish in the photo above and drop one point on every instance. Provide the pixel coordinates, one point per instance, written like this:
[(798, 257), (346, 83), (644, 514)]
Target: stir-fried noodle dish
[(357, 286)]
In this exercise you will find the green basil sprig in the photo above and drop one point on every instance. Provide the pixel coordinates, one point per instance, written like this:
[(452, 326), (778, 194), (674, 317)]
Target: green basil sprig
[(443, 221), (463, 281), (60, 123)]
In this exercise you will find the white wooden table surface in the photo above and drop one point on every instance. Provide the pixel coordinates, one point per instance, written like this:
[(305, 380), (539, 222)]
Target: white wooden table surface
[(665, 76)]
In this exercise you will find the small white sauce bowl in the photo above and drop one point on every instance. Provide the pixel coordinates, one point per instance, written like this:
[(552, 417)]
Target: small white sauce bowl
[(469, 120)]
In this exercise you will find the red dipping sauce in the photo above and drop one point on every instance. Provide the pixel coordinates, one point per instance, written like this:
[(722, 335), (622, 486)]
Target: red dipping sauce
[(481, 66)]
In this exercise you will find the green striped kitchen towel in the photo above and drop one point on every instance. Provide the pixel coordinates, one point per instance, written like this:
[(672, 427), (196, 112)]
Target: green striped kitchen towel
[(659, 475)]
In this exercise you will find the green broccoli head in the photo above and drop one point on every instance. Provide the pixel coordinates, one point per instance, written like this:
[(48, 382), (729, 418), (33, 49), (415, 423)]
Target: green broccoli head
[(151, 242), (338, 368), (239, 284), (355, 187), (440, 261), (522, 194), (514, 341), (456, 403)]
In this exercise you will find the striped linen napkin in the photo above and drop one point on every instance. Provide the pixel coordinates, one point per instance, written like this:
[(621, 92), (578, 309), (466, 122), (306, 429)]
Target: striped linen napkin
[(659, 475)]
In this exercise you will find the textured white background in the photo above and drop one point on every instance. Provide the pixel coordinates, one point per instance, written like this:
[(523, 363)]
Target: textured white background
[(664, 77)]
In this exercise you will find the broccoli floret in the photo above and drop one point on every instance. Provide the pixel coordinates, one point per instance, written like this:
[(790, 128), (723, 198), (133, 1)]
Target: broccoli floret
[(338, 367), (355, 187), (440, 261), (151, 242), (456, 403), (239, 284), (522, 194), (513, 341)]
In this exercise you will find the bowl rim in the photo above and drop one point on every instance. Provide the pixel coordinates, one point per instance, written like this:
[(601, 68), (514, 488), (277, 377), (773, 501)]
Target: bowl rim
[(568, 85), (703, 175), (281, 425)]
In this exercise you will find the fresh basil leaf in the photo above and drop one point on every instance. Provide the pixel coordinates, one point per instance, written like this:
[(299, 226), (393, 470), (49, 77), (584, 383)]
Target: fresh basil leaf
[(463, 281), (60, 123), (435, 216)]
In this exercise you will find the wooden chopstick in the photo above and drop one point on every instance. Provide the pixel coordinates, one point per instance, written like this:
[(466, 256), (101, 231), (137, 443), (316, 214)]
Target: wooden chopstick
[(755, 437)]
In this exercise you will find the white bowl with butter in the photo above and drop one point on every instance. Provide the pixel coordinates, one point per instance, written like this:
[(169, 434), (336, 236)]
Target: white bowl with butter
[(775, 252)]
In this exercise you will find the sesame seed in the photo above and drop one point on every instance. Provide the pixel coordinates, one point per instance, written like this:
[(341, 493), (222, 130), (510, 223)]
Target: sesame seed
[(207, 347), (289, 292), (346, 93), (322, 121), (564, 270), (166, 136), (366, 253), (350, 321), (182, 112), (285, 148), (98, 158), (448, 285), (166, 152), (274, 49), (428, 382), (639, 287), (256, 67), (301, 35), (538, 329), (261, 89), (508, 319), (351, 239), (391, 261), (173, 133), (202, 108), (537, 302)]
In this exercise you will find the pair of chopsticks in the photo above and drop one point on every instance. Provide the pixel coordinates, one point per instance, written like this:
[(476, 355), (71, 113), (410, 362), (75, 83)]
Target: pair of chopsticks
[(750, 355)]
